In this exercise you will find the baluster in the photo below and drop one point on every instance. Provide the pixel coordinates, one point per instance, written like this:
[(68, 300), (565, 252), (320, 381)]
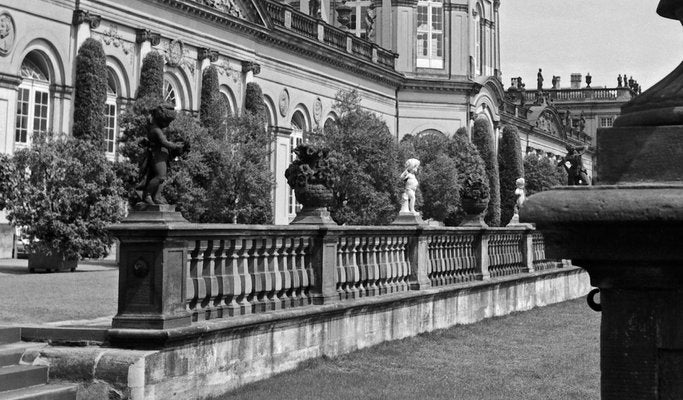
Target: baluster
[(246, 280), (197, 277), (448, 259), (258, 302), (392, 267), (191, 290), (404, 263), (307, 274), (352, 271), (221, 270), (373, 268), (381, 260), (275, 275), (209, 278), (295, 295), (340, 270), (285, 274), (360, 257), (233, 287), (440, 262)]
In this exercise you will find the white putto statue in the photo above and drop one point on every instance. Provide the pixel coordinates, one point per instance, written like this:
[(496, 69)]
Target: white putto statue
[(520, 194), (408, 176)]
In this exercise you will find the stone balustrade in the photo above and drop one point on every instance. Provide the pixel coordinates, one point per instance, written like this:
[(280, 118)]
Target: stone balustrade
[(288, 17), (584, 94), (175, 274)]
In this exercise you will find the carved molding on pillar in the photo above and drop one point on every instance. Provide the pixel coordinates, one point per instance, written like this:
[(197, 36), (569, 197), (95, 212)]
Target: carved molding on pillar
[(251, 66), (456, 7), (404, 3), (143, 35), (204, 52), (9, 81), (83, 16)]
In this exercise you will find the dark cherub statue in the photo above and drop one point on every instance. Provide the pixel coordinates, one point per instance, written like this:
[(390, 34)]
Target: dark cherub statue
[(159, 151), (576, 172)]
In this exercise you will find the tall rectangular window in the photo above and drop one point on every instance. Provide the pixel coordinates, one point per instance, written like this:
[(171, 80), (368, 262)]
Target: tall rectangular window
[(430, 43), (295, 139), (110, 127), (33, 106)]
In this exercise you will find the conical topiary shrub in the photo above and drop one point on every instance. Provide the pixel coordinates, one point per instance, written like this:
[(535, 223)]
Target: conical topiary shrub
[(511, 166), (90, 93), (483, 139)]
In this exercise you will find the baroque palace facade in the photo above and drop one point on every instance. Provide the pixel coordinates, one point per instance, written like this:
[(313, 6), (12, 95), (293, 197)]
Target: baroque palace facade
[(424, 66)]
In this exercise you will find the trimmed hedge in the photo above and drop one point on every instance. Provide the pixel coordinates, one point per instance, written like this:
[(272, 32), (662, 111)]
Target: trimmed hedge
[(152, 77), (90, 93), (212, 105), (483, 139), (511, 166), (468, 163), (253, 101)]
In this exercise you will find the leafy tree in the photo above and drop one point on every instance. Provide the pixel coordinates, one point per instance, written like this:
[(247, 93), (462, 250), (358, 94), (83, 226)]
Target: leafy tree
[(211, 109), (90, 93), (468, 163), (438, 175), (223, 178), (152, 77), (66, 198), (366, 155), (482, 138), (511, 166), (541, 174)]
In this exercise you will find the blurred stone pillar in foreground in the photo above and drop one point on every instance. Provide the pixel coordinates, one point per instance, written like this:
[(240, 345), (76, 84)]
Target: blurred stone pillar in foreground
[(628, 234)]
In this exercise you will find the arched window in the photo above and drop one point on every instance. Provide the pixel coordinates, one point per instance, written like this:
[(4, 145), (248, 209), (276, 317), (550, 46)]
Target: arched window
[(430, 33), (110, 113), (298, 125), (171, 94), (33, 99)]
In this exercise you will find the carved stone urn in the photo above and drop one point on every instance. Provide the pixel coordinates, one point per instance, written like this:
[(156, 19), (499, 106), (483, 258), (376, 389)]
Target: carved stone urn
[(474, 199), (311, 178)]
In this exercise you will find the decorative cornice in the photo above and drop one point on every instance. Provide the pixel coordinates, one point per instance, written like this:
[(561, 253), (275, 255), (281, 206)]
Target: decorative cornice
[(456, 7), (465, 87), (489, 23), (251, 66), (204, 52), (142, 35), (496, 5), (404, 3), (82, 16), (9, 81)]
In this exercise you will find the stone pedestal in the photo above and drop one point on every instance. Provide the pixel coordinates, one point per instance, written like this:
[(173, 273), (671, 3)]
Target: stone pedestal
[(313, 216), (408, 218), (151, 269), (627, 235)]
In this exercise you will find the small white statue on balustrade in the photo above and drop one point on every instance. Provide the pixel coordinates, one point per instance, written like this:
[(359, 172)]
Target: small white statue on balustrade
[(520, 194), (408, 176)]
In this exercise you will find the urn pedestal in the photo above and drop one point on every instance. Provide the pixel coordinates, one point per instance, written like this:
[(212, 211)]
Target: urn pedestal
[(315, 199), (627, 234), (474, 212)]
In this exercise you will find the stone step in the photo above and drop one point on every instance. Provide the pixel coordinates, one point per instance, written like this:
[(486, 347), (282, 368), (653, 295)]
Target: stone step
[(42, 392), (9, 335), (21, 376), (11, 353)]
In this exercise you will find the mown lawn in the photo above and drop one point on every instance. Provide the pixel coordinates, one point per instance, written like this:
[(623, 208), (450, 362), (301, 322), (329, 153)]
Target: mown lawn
[(89, 292), (546, 353)]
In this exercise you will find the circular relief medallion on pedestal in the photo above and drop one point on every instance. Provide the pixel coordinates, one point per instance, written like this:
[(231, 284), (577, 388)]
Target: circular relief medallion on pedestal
[(7, 34), (284, 102), (317, 110), (175, 53)]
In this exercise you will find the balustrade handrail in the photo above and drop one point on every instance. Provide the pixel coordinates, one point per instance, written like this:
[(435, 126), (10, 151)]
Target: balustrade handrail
[(334, 37), (200, 272)]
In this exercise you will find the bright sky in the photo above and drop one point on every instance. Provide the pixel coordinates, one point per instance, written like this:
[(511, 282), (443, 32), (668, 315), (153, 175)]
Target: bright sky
[(603, 37)]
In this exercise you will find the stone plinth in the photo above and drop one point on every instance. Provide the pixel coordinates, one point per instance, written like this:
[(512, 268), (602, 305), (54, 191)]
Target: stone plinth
[(149, 260), (313, 216), (408, 218)]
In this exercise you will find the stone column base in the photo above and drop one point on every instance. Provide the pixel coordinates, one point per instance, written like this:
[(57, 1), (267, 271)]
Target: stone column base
[(313, 216), (408, 218)]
